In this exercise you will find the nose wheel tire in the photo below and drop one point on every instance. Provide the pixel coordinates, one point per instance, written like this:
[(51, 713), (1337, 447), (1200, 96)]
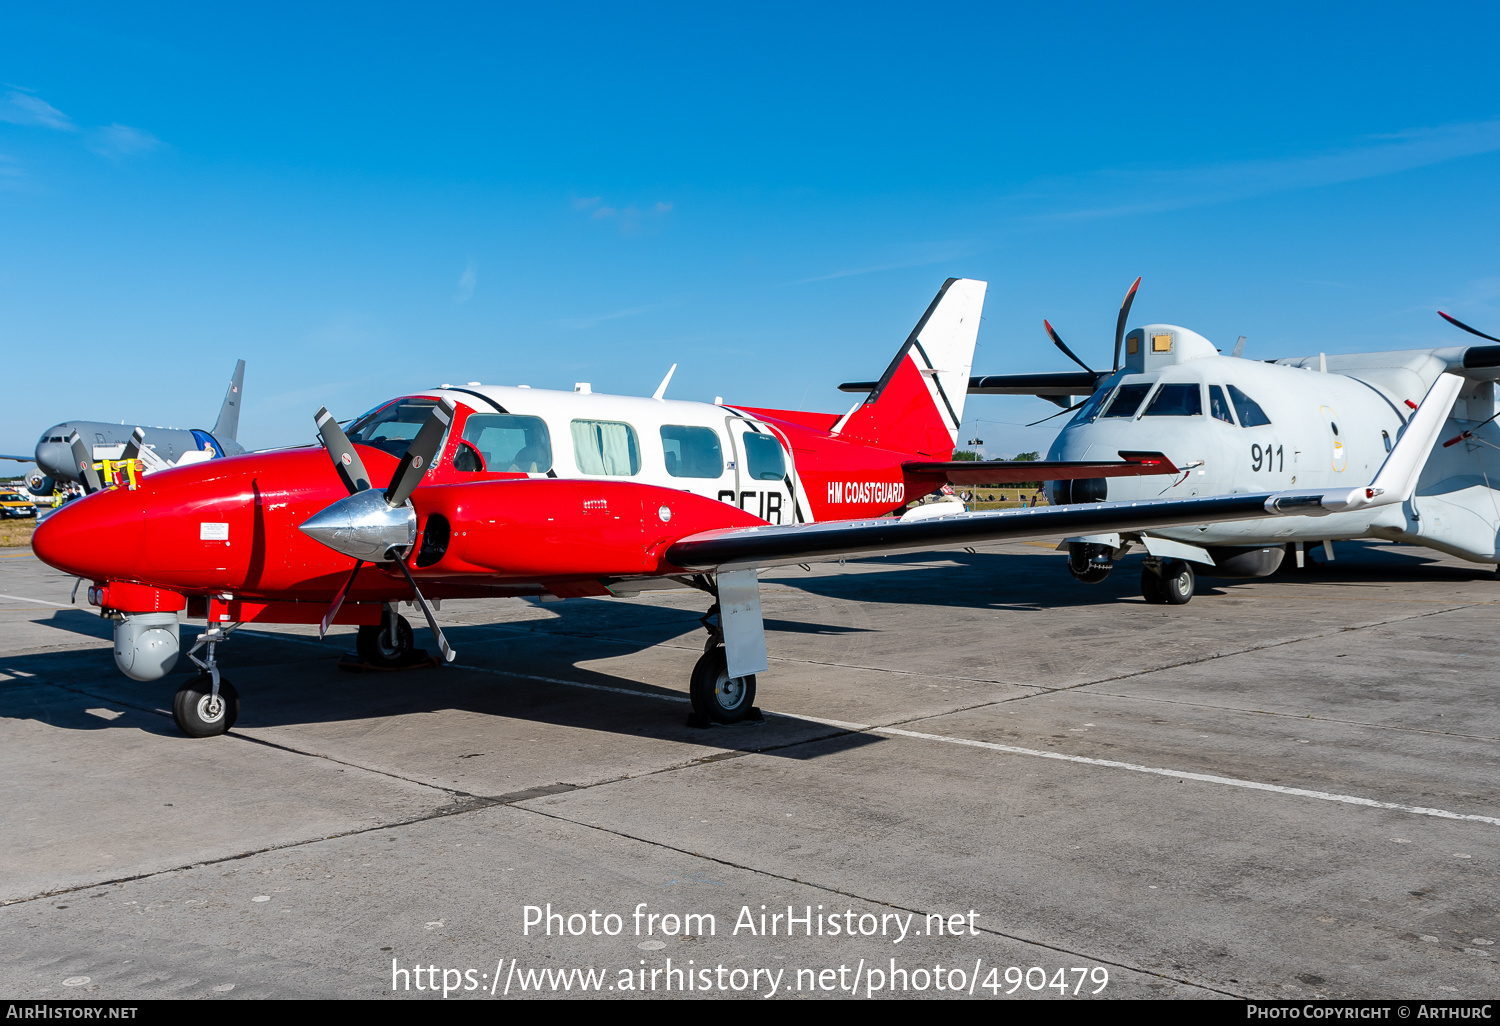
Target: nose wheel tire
[(1173, 586), (198, 714), (375, 646), (718, 696)]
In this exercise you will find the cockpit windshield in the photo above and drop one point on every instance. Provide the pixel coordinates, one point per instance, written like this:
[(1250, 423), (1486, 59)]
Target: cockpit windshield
[(1090, 408), (393, 426)]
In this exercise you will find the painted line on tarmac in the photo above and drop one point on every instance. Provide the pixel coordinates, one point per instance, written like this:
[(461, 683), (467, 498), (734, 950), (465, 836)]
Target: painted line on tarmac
[(40, 602), (1327, 796)]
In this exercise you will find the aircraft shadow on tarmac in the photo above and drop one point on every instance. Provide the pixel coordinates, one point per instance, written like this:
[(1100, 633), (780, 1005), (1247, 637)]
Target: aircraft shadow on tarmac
[(292, 680), (1041, 581)]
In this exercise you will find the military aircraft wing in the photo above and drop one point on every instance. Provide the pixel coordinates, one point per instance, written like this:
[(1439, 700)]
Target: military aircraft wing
[(983, 472), (18, 459), (1045, 383)]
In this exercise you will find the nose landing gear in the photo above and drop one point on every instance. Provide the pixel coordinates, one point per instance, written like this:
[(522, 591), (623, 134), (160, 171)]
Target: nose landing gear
[(207, 705), (389, 644)]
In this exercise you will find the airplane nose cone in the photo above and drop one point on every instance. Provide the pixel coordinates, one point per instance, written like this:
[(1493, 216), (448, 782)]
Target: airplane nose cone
[(98, 537), (56, 461)]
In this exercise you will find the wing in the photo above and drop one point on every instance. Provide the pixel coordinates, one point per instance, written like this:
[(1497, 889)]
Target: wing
[(1046, 384), (739, 548), (987, 472)]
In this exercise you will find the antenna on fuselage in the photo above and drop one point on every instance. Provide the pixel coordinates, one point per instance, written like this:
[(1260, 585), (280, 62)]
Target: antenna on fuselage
[(1239, 347), (661, 389)]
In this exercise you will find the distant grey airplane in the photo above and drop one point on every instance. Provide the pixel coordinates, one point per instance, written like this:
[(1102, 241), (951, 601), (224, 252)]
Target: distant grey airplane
[(171, 446)]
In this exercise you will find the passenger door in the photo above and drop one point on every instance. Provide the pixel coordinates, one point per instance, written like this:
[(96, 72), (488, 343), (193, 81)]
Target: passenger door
[(763, 473)]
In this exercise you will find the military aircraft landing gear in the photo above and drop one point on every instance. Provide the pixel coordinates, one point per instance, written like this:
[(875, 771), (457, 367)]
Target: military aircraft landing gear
[(207, 705), (1167, 582), (390, 643), (718, 697)]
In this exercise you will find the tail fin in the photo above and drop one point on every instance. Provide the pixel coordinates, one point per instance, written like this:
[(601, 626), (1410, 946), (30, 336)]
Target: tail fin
[(228, 424), (918, 404)]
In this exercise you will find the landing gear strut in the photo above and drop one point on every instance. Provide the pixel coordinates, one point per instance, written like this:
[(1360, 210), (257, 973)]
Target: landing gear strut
[(207, 705), (1167, 582), (388, 644), (718, 697)]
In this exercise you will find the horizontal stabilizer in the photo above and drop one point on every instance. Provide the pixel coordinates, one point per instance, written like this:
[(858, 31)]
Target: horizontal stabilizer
[(986, 472)]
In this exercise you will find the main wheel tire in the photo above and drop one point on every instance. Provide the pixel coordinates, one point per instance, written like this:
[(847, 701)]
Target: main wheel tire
[(1177, 581), (374, 642), (715, 694), (195, 712), (1151, 586)]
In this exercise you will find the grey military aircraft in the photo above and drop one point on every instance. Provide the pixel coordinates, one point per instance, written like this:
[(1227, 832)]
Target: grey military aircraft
[(58, 455), (1235, 425)]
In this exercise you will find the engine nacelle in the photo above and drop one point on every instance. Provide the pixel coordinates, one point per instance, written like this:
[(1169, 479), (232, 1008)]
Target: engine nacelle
[(40, 485), (147, 645), (1261, 561), (1087, 489)]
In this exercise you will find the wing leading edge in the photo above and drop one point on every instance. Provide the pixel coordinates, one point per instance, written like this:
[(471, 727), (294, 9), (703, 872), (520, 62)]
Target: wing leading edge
[(993, 472)]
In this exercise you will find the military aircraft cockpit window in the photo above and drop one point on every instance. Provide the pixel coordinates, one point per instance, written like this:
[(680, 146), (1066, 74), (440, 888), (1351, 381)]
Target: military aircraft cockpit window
[(763, 457), (1176, 400), (692, 451), (1218, 405), (1126, 401), (505, 443), (1090, 408), (393, 426), (606, 447), (1249, 411)]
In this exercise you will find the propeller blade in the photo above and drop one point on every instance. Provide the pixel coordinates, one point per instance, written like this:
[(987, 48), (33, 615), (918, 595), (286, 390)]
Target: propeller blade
[(1120, 324), (448, 653), (1059, 413), (132, 450), (338, 600), (1460, 324), (84, 461), (345, 458), (420, 454), (1058, 342)]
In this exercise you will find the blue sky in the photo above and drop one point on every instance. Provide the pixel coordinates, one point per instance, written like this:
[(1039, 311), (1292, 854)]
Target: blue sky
[(362, 200)]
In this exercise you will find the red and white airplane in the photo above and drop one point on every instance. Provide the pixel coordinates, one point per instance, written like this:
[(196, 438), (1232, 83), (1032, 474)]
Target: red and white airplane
[(487, 491)]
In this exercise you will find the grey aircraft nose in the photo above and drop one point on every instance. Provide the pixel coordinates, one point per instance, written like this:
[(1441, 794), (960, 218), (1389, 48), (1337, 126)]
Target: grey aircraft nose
[(56, 460)]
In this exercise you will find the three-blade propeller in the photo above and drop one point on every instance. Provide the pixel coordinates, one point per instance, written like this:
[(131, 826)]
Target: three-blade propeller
[(373, 526)]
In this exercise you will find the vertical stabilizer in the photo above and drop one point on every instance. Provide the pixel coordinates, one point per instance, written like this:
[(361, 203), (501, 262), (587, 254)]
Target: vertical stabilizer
[(918, 404), (228, 425)]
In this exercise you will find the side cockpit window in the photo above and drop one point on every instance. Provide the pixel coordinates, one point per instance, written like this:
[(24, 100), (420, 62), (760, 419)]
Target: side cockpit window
[(1090, 408), (1249, 411), (1176, 400), (504, 443), (1126, 401), (1218, 405)]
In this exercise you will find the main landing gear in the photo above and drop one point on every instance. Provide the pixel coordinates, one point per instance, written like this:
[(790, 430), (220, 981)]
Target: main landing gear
[(1167, 582), (388, 644), (717, 697), (207, 705)]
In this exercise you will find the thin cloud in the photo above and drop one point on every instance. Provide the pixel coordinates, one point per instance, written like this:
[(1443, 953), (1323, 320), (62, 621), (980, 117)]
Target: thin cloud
[(22, 107), (942, 258), (122, 141), (1374, 157), (466, 284), (579, 323), (631, 219)]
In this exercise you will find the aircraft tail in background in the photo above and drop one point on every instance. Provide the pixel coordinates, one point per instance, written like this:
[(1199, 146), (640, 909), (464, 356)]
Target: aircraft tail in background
[(227, 427)]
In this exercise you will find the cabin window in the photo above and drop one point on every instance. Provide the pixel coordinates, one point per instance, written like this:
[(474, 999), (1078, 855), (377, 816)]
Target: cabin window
[(763, 457), (606, 447), (393, 426), (1218, 405), (692, 451), (1177, 400), (1126, 401), (1249, 411), (505, 443)]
